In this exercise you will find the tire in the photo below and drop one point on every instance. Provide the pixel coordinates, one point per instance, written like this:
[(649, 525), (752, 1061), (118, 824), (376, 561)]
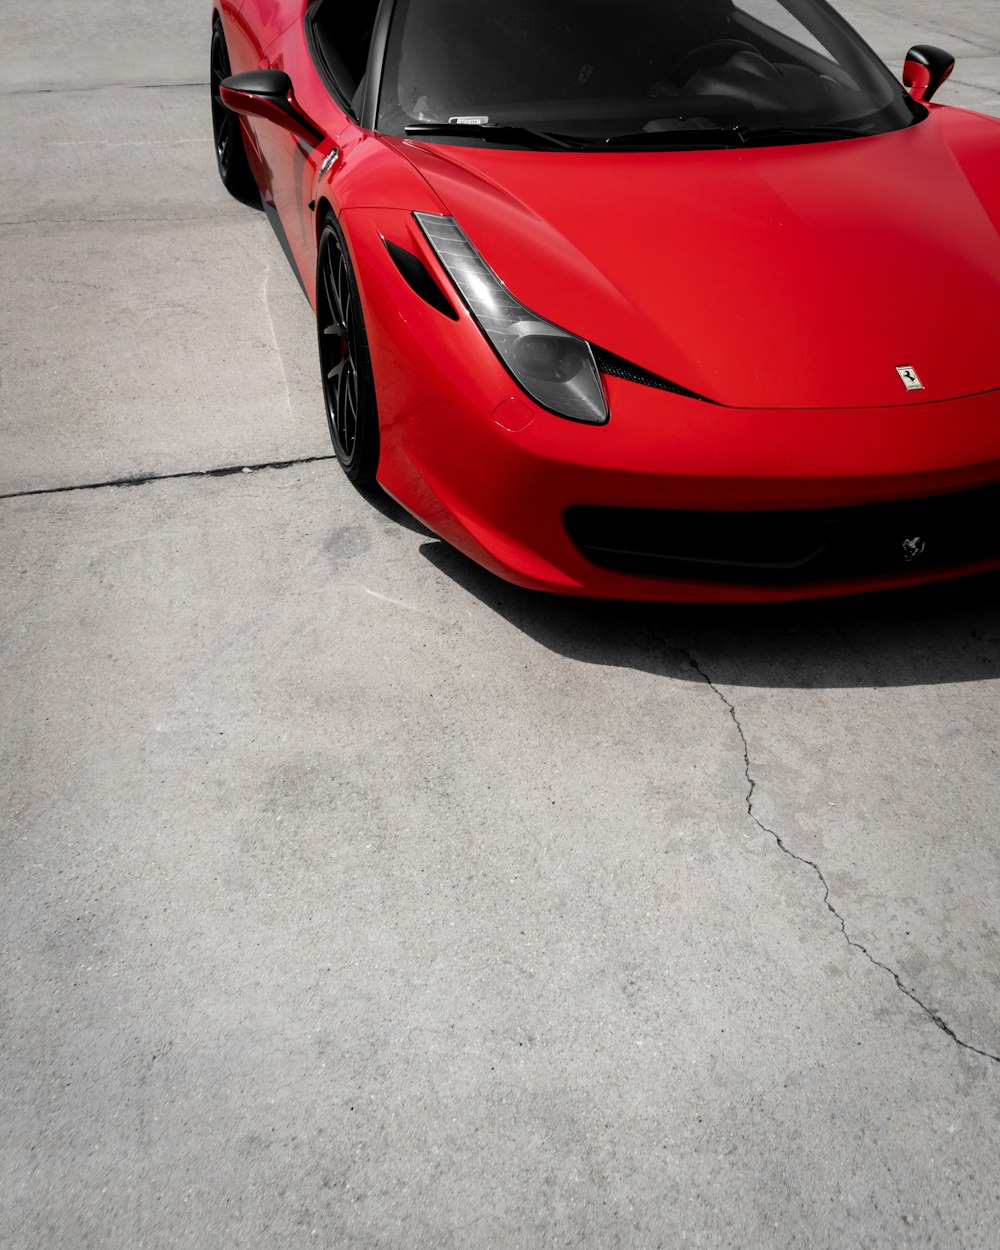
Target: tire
[(230, 154), (345, 362)]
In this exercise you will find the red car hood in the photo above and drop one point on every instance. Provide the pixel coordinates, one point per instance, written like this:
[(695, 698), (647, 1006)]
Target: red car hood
[(790, 277)]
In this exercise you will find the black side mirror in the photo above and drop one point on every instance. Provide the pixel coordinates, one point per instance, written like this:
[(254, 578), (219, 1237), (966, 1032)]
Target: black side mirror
[(926, 68), (267, 93)]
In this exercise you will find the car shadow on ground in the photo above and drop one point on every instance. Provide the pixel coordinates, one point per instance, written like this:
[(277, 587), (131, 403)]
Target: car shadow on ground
[(946, 633)]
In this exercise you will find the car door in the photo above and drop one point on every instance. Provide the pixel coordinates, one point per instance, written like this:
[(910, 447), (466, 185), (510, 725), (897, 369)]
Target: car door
[(325, 83)]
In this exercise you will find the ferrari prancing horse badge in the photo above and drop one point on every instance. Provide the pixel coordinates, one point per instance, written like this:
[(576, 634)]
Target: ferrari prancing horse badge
[(909, 377)]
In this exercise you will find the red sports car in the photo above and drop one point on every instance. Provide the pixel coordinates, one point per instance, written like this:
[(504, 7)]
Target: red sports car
[(643, 299)]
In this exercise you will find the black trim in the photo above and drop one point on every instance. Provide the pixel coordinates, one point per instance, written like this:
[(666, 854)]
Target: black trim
[(615, 367), (936, 60), (279, 230), (419, 279), (376, 62)]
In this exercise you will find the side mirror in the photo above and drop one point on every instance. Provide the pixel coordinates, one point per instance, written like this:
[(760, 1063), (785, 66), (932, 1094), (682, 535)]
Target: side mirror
[(926, 68), (267, 93)]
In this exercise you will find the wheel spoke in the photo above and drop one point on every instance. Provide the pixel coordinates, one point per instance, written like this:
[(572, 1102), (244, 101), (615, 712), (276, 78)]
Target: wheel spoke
[(220, 63), (222, 119), (325, 279), (336, 306), (343, 291), (339, 350), (347, 422), (336, 302), (350, 427), (335, 309)]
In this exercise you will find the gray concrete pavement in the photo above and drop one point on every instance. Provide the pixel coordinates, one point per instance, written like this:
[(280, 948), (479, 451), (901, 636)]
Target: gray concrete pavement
[(162, 307), (353, 898), (967, 28)]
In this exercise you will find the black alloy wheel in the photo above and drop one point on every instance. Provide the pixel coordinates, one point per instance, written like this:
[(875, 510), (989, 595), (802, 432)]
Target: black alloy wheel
[(230, 154), (348, 384)]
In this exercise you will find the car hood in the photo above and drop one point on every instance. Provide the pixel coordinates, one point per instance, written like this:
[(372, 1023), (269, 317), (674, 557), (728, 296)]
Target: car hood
[(800, 276)]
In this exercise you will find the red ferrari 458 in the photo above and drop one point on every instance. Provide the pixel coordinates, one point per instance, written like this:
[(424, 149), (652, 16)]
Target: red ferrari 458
[(641, 299)]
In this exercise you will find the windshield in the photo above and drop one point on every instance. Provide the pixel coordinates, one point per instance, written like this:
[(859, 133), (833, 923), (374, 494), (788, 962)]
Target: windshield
[(646, 72)]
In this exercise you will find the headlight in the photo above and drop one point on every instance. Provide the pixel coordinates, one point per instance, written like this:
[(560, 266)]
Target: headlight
[(555, 367)]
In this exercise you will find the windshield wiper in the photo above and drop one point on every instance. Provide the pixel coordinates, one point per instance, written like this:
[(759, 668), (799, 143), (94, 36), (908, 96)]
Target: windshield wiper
[(703, 138), (714, 137), (731, 136), (753, 135), (500, 133)]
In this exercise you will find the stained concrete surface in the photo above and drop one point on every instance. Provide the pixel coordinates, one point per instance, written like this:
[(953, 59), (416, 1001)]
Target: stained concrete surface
[(354, 898)]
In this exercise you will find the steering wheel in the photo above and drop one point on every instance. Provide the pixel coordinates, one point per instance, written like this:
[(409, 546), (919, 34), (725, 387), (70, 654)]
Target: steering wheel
[(718, 50)]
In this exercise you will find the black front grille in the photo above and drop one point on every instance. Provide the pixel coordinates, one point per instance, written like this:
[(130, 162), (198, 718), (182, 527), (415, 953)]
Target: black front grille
[(791, 545)]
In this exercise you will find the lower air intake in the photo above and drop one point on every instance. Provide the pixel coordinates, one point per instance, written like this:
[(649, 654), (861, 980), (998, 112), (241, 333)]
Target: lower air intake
[(792, 545)]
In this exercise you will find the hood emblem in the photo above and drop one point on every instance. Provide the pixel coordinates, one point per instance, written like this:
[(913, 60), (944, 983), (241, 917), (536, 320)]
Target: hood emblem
[(913, 547), (908, 376)]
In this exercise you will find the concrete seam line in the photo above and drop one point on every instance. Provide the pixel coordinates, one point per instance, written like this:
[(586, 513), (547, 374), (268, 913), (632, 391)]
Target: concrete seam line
[(105, 86), (225, 471), (911, 994), (112, 221)]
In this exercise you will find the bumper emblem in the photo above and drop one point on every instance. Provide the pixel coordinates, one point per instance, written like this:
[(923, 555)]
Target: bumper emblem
[(913, 547), (908, 376)]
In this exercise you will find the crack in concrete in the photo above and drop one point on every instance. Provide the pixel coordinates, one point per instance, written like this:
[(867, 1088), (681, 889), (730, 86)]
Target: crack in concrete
[(104, 86), (929, 1012), (113, 221), (224, 471), (110, 221)]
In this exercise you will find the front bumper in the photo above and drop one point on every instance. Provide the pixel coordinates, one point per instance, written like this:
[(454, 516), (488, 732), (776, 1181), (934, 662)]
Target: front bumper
[(503, 480), (678, 500)]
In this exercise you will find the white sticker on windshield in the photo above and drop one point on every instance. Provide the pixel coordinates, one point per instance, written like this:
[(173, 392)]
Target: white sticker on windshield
[(468, 121)]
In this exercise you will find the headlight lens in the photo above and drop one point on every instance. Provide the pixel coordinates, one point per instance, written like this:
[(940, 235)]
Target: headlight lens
[(555, 367)]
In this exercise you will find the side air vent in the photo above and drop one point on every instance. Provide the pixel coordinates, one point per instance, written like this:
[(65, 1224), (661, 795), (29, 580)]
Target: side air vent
[(413, 270), (615, 367)]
